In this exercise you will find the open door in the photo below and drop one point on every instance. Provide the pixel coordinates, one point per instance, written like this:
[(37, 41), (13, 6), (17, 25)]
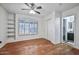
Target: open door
[(68, 29)]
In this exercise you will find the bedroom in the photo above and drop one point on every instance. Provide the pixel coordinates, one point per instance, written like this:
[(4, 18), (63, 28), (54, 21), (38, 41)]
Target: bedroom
[(37, 26)]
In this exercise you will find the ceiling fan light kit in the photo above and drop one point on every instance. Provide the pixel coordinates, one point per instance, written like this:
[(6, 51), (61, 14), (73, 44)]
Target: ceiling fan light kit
[(32, 12)]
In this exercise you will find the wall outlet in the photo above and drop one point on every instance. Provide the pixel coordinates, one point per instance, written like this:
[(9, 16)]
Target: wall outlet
[(0, 41)]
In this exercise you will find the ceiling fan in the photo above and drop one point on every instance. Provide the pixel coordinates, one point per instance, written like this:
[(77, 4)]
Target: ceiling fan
[(32, 7)]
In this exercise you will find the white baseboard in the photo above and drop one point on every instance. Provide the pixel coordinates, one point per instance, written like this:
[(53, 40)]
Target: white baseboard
[(1, 45)]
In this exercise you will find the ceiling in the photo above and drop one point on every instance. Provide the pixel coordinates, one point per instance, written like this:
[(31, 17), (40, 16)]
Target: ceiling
[(47, 8)]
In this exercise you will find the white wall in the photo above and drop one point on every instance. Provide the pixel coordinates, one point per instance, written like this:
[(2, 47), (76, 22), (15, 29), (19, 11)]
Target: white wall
[(75, 12), (53, 27), (3, 26), (57, 30), (58, 16), (41, 28)]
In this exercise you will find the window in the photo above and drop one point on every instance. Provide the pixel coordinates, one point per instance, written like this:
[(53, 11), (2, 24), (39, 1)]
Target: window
[(27, 28), (21, 27)]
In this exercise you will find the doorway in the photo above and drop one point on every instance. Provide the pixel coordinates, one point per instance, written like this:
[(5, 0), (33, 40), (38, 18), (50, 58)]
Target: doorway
[(68, 29)]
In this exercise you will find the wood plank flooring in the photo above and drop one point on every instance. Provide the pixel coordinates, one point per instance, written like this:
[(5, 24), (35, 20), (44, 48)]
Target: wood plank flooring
[(38, 46)]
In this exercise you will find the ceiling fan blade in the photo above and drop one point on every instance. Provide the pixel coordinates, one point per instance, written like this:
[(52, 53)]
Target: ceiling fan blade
[(25, 9), (37, 12), (39, 7), (32, 4), (27, 4)]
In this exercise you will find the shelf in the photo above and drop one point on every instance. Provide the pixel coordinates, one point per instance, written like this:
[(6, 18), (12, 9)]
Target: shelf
[(11, 24), (11, 32), (11, 28), (11, 36)]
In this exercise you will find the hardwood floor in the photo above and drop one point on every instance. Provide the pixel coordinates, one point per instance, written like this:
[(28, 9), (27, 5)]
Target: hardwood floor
[(38, 46), (75, 51), (35, 46)]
